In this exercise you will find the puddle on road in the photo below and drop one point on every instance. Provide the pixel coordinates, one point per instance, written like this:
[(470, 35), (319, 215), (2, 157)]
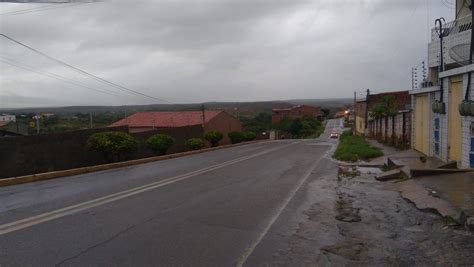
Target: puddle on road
[(458, 189)]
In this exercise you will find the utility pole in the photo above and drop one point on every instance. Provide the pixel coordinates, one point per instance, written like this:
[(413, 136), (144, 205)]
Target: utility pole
[(367, 109), (203, 110), (37, 118), (354, 114), (90, 119)]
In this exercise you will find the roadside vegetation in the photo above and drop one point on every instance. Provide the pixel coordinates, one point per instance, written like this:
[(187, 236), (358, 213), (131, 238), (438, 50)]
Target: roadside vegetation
[(258, 124), (306, 127), (238, 137), (214, 137), (160, 143), (114, 146), (354, 148), (194, 144)]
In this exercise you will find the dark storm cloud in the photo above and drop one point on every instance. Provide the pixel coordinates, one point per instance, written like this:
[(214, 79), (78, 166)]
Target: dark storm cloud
[(192, 51)]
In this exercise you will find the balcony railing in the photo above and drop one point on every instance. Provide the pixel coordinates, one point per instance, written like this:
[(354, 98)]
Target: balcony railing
[(456, 26)]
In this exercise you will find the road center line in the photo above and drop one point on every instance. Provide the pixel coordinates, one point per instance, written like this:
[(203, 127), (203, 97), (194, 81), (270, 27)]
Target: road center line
[(55, 214), (250, 249)]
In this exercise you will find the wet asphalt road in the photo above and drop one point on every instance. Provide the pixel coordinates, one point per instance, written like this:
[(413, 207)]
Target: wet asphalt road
[(223, 208)]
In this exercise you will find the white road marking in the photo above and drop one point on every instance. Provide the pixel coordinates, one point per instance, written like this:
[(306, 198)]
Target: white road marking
[(243, 258), (55, 214)]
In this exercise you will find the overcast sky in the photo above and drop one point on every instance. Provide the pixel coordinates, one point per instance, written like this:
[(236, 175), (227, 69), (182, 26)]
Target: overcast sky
[(212, 50)]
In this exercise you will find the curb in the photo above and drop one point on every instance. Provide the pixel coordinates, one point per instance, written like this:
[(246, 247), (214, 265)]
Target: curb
[(64, 173)]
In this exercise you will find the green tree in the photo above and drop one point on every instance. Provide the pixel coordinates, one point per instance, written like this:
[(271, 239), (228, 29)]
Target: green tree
[(257, 124), (326, 112), (213, 137), (160, 143), (112, 145), (249, 136), (295, 127), (386, 107), (194, 143), (236, 137)]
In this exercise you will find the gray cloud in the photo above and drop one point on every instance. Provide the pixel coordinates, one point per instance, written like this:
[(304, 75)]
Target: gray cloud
[(216, 50)]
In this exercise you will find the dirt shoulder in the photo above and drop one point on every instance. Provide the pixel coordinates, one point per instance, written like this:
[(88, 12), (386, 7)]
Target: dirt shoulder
[(360, 221)]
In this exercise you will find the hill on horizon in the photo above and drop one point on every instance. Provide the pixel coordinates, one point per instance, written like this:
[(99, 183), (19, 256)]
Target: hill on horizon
[(236, 108)]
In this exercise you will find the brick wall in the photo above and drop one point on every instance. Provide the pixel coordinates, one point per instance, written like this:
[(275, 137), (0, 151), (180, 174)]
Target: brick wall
[(224, 123)]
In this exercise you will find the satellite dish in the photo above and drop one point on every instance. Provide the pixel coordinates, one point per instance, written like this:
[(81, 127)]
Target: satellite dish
[(460, 53)]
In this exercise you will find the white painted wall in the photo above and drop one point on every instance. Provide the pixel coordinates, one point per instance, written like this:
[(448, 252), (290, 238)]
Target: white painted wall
[(7, 118)]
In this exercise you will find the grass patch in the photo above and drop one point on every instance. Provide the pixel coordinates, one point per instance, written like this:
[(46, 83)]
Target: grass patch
[(354, 147)]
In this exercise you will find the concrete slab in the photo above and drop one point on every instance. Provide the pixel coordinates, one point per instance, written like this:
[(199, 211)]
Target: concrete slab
[(389, 175), (437, 171), (457, 188), (423, 200)]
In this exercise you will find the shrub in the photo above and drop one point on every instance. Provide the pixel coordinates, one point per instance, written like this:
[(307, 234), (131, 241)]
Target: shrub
[(160, 143), (236, 137), (112, 145), (249, 136), (354, 147), (213, 137), (194, 143)]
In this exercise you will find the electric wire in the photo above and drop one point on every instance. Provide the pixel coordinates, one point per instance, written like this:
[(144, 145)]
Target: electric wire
[(38, 9), (83, 72), (57, 77)]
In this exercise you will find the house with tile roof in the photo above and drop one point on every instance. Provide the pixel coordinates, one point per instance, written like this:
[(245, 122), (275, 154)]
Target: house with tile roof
[(210, 120)]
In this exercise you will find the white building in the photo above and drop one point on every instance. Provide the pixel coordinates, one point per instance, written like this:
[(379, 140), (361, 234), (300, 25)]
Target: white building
[(439, 130), (7, 117)]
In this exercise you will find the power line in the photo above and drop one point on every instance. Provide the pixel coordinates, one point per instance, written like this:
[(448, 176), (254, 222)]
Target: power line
[(27, 9), (55, 76), (76, 82), (46, 7), (83, 72)]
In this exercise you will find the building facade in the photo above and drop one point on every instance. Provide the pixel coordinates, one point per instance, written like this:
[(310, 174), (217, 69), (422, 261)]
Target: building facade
[(363, 115), (7, 117), (439, 130)]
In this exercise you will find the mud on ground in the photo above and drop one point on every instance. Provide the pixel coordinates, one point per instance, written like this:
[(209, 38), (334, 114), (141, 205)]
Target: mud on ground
[(358, 221)]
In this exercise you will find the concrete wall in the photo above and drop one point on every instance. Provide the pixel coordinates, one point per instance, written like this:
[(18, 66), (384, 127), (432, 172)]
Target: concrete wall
[(432, 96), (398, 129), (360, 125), (51, 152)]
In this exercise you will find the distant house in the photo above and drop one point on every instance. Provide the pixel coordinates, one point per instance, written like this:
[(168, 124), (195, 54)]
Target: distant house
[(363, 107), (7, 118), (295, 112), (47, 115), (210, 120)]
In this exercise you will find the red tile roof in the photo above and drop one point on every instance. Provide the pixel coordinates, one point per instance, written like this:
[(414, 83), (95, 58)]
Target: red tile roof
[(165, 119), (4, 123)]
